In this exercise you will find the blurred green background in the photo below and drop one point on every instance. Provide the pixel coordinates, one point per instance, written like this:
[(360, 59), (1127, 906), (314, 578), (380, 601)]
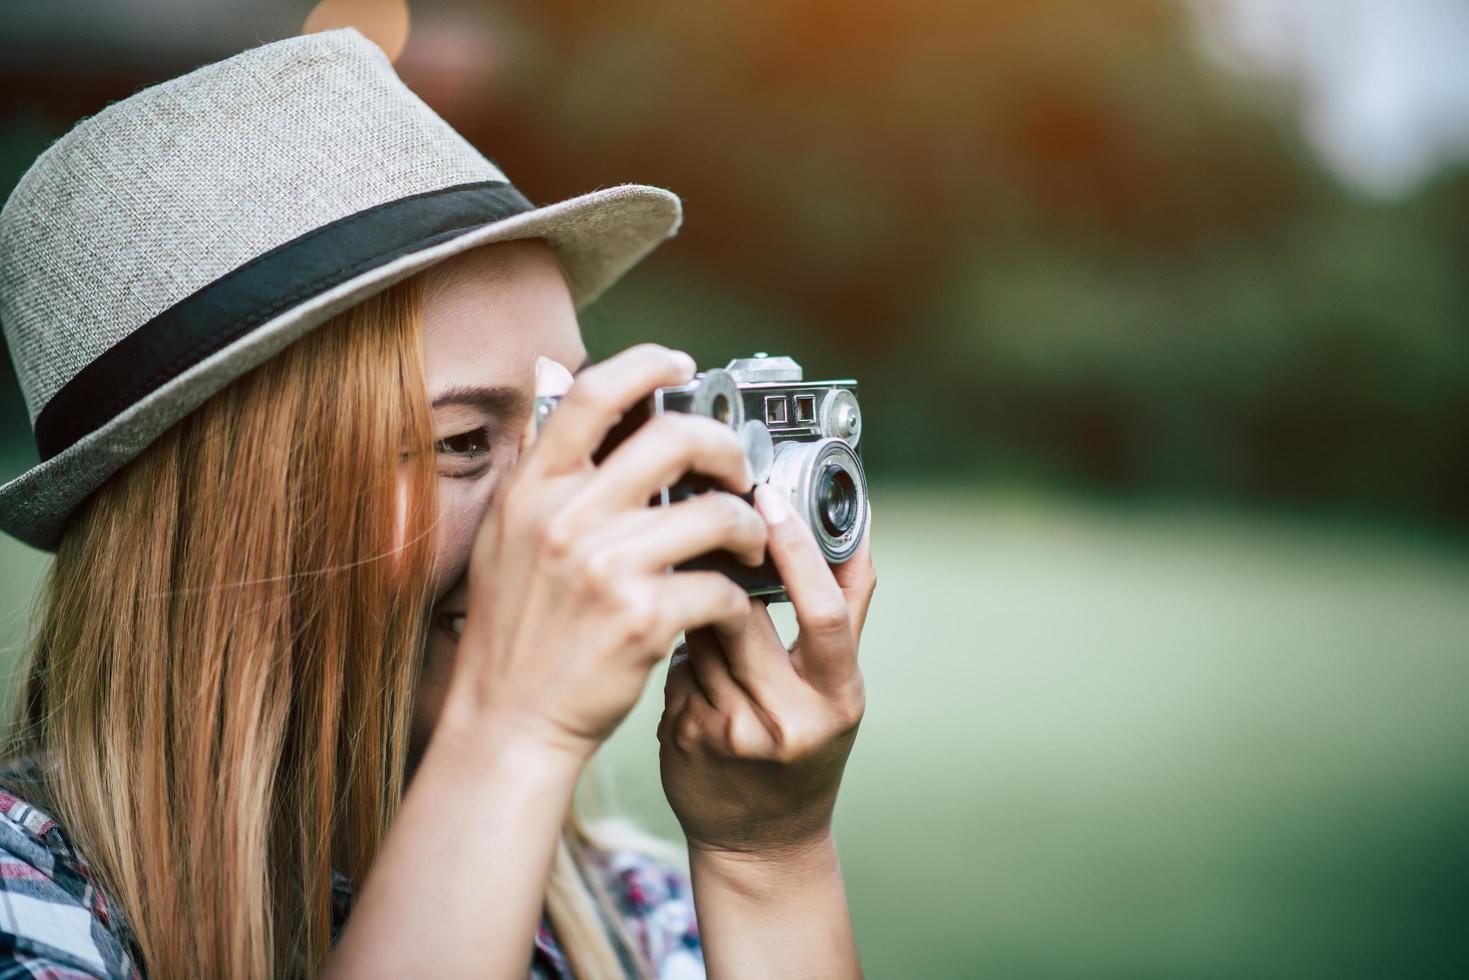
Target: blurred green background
[(1162, 325)]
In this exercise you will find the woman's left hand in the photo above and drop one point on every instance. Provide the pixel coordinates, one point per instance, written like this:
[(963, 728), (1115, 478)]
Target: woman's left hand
[(754, 737)]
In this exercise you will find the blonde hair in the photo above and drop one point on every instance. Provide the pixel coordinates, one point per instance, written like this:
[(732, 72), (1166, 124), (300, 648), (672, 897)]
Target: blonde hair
[(225, 661)]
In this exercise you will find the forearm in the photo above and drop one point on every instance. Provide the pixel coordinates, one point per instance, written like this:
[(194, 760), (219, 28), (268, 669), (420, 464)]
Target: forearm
[(458, 887), (774, 916)]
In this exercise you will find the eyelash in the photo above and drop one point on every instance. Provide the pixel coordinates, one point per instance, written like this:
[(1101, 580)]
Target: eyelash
[(480, 449)]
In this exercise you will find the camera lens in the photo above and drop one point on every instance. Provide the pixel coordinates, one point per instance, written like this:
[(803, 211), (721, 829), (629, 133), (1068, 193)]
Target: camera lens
[(825, 482), (836, 499), (720, 408)]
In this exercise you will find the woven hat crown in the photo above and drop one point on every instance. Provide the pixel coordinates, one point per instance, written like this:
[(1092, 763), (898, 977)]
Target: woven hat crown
[(185, 234), (158, 195)]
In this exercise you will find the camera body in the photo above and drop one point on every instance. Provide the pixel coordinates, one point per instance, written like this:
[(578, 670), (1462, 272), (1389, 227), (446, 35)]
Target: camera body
[(802, 437)]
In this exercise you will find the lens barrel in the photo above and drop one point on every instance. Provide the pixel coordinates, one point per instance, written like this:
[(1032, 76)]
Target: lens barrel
[(824, 482)]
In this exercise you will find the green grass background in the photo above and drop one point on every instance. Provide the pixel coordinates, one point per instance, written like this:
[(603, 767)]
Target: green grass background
[(1121, 742), (1108, 741)]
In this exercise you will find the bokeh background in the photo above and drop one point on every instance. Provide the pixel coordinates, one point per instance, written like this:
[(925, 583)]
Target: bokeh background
[(1161, 317)]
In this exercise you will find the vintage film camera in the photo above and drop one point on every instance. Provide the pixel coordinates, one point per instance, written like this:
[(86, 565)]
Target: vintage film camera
[(803, 437)]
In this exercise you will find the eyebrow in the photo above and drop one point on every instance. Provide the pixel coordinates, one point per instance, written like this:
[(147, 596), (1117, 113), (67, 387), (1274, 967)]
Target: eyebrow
[(502, 399)]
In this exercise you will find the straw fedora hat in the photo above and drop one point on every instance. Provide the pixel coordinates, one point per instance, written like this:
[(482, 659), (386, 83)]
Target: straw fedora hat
[(183, 235)]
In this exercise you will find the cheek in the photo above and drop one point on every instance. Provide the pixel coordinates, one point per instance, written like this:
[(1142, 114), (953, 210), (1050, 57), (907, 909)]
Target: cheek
[(462, 505)]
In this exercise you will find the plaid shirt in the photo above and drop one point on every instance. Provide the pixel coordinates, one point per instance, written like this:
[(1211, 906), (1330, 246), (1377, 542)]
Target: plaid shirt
[(57, 923)]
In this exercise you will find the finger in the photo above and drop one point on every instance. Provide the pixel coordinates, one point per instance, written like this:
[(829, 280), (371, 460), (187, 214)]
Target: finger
[(857, 578), (688, 719), (600, 396), (650, 539), (680, 683), (707, 660), (736, 724), (661, 451), (679, 687), (552, 378), (688, 600), (826, 649), (758, 659)]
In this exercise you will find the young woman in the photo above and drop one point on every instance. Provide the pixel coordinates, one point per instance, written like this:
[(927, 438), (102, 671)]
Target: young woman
[(343, 635)]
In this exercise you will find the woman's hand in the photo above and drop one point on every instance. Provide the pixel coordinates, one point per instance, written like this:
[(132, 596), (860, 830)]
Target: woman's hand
[(570, 604), (754, 736), (571, 598)]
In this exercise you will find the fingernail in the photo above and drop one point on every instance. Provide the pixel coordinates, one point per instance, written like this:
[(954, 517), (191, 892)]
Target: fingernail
[(552, 378), (772, 508), (692, 365)]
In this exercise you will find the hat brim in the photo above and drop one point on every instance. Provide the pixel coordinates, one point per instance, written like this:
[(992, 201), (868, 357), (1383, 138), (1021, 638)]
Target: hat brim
[(598, 237)]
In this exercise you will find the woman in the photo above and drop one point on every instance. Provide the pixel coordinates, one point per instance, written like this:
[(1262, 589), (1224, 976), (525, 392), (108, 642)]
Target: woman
[(329, 629)]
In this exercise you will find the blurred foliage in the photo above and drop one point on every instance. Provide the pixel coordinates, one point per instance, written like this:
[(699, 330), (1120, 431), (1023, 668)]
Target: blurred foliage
[(1054, 243), (1104, 741), (1049, 237)]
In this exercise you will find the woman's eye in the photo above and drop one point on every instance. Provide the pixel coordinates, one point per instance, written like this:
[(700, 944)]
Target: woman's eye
[(471, 444)]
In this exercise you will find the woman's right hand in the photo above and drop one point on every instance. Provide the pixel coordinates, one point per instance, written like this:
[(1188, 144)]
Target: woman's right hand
[(570, 605), (571, 601)]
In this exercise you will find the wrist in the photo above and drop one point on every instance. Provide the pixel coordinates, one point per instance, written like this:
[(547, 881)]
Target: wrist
[(767, 872), (483, 740)]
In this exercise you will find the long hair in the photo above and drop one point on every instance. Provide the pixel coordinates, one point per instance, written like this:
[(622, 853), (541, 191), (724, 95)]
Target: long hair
[(226, 655)]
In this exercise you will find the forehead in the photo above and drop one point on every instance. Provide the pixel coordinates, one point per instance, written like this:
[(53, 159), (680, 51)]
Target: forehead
[(488, 312)]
